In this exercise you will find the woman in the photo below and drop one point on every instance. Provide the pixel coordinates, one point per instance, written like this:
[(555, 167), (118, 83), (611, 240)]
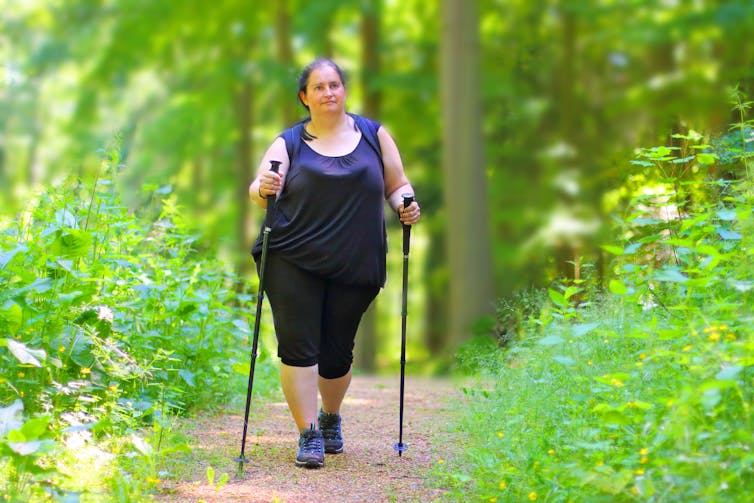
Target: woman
[(326, 259)]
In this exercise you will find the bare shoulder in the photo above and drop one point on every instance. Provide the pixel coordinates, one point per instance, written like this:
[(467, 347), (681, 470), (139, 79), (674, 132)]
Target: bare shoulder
[(387, 143), (276, 152)]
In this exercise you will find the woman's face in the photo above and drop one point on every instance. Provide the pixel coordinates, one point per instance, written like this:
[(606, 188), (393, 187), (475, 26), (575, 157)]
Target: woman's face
[(324, 91)]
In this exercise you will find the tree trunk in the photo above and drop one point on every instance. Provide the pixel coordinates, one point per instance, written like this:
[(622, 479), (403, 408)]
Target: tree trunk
[(244, 114), (566, 254), (436, 306), (465, 185), (366, 340), (370, 41), (285, 58)]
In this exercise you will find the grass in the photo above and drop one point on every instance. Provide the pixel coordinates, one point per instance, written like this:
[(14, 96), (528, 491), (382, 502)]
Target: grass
[(636, 409)]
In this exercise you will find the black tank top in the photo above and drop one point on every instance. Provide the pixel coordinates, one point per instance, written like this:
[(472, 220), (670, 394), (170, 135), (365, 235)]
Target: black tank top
[(329, 219)]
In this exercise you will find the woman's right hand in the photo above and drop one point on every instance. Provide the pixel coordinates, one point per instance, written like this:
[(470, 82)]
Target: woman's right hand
[(270, 183)]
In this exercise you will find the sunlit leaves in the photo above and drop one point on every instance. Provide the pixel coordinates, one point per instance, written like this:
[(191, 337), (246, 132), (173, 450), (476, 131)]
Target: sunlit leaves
[(23, 353), (72, 243)]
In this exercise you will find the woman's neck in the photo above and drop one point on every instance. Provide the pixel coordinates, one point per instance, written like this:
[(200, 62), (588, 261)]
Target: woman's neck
[(322, 126)]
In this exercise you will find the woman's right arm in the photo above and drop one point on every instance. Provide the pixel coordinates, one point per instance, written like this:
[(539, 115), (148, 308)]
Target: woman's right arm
[(267, 183)]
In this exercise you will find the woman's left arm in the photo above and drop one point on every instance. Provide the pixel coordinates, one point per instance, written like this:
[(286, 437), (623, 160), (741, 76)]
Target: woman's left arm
[(396, 182)]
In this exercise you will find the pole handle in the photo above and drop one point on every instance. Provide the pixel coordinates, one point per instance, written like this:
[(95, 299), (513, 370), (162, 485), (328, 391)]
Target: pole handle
[(274, 167), (407, 200)]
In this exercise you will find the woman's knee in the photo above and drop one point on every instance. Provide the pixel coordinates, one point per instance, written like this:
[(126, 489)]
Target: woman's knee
[(330, 368)]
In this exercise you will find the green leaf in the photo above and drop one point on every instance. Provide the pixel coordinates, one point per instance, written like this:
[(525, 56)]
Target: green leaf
[(24, 354), (7, 256), (646, 221), (671, 276), (571, 291), (584, 328), (37, 427), (25, 448), (241, 368), (615, 250), (72, 243), (222, 481), (741, 286), (550, 340), (727, 215), (564, 360), (632, 248), (608, 480), (10, 417), (65, 218), (557, 297), (729, 374), (610, 415), (642, 405), (729, 235), (188, 377), (705, 159), (617, 287), (241, 325), (13, 316), (81, 349), (639, 162), (141, 445), (34, 428)]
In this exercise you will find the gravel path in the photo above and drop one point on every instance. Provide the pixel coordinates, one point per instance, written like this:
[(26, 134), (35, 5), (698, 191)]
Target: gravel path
[(368, 471)]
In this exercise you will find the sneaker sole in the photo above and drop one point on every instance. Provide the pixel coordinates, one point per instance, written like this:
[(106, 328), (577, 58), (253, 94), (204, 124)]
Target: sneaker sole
[(310, 464), (331, 450)]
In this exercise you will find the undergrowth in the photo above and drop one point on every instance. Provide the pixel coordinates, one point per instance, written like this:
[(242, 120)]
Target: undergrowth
[(643, 392), (111, 324)]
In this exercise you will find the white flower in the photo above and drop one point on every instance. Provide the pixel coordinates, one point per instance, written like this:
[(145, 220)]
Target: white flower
[(105, 313)]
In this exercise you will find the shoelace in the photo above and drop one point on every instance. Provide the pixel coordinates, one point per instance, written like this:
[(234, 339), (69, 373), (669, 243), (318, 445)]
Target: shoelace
[(312, 443), (331, 433), (330, 426)]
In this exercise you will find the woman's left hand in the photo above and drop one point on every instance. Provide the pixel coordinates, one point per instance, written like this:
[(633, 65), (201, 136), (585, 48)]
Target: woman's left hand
[(409, 215)]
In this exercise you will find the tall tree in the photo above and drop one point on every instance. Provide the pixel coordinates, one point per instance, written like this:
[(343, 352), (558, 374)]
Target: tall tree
[(465, 187), (366, 342)]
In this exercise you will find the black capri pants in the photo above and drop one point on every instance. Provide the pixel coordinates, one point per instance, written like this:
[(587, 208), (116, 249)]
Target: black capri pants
[(315, 319)]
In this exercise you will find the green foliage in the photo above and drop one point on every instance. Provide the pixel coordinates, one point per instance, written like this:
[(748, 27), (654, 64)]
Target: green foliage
[(109, 323), (644, 392)]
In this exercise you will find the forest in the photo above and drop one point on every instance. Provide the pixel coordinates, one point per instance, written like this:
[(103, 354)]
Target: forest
[(584, 257)]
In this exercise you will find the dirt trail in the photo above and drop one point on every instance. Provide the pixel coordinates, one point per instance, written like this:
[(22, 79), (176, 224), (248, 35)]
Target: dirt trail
[(368, 471)]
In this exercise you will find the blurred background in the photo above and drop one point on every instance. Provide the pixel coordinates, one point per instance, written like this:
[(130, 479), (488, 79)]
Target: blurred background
[(516, 120)]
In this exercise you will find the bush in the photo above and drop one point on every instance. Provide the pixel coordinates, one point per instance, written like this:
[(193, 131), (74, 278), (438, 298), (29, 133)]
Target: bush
[(109, 322), (644, 393)]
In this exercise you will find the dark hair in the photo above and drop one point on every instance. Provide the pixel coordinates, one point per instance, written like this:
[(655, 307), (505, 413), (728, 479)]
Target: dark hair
[(303, 79)]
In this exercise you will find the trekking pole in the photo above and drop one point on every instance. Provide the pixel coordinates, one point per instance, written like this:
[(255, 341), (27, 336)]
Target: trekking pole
[(274, 166), (407, 200)]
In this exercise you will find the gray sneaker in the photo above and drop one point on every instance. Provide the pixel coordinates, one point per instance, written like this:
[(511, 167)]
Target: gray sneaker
[(331, 431), (311, 449)]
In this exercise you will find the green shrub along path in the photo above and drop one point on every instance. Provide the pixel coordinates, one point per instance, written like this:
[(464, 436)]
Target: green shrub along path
[(369, 470), (642, 388)]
